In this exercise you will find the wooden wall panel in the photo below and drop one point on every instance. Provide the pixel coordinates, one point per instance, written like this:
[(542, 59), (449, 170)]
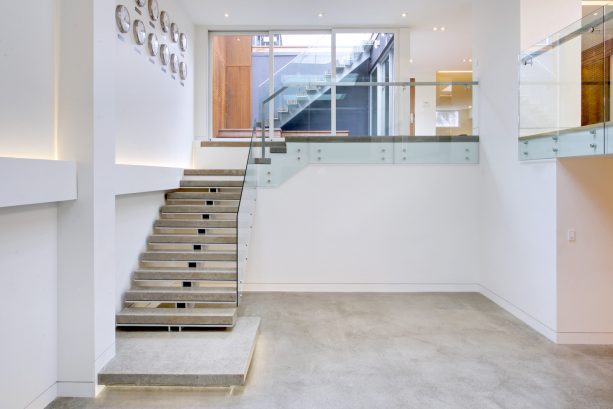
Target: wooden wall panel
[(231, 82), (595, 80), (218, 65)]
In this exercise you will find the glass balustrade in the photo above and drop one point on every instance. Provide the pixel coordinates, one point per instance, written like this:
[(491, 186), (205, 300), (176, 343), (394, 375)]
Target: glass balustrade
[(565, 91), (376, 123)]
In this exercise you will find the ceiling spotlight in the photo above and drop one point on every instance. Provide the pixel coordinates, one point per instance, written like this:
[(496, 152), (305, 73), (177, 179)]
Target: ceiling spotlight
[(403, 15), (442, 28), (411, 61), (226, 15), (320, 15), (434, 28), (464, 60), (470, 60)]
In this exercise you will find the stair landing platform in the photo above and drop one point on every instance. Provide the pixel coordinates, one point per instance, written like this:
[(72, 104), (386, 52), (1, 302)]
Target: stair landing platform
[(187, 358)]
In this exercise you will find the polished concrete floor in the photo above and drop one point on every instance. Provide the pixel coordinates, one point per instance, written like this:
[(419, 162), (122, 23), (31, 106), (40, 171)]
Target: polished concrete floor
[(425, 351)]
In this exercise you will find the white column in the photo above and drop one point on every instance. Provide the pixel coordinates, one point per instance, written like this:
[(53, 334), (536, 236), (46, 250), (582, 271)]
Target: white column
[(86, 134)]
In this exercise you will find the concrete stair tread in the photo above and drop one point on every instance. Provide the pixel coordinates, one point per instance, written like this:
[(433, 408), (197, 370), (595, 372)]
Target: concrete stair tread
[(199, 209), (211, 183), (148, 358), (195, 290), (204, 195), (192, 239), (214, 172), (215, 317), (210, 224), (194, 255), (185, 274), (180, 294)]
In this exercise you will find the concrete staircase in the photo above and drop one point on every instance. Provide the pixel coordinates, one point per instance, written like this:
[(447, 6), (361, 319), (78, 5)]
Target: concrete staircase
[(188, 274)]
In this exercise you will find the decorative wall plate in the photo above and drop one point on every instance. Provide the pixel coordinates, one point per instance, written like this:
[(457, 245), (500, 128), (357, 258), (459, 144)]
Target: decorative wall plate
[(165, 21), (183, 42), (174, 63), (122, 18), (183, 70), (140, 33), (174, 32), (154, 10), (141, 3), (154, 45), (164, 54)]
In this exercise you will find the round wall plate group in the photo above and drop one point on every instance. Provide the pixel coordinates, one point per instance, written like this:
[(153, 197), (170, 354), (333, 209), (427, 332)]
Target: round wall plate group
[(139, 30), (164, 54), (154, 10), (140, 33), (122, 18), (154, 44)]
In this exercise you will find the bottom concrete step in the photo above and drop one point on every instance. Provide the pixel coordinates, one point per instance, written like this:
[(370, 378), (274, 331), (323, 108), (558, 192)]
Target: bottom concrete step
[(180, 317), (194, 358)]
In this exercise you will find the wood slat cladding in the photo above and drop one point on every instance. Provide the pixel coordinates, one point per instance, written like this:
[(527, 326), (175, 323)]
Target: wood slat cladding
[(595, 79), (231, 82)]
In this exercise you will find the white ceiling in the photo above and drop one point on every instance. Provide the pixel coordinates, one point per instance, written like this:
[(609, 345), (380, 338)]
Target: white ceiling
[(337, 13)]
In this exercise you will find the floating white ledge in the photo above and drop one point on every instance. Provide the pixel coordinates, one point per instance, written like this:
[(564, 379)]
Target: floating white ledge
[(130, 179), (34, 181)]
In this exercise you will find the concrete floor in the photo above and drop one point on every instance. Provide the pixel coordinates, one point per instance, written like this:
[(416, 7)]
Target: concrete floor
[(426, 351)]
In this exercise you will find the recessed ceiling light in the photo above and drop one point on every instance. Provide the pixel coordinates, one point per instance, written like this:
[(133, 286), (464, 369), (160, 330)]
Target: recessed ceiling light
[(320, 15), (470, 60), (226, 15), (411, 61), (464, 60), (403, 15), (434, 28), (442, 28)]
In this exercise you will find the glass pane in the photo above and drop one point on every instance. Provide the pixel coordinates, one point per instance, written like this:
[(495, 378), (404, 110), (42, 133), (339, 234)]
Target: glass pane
[(454, 104), (564, 92), (303, 67)]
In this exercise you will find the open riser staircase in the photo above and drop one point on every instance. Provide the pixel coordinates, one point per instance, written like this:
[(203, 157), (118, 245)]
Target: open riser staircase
[(296, 99), (187, 277)]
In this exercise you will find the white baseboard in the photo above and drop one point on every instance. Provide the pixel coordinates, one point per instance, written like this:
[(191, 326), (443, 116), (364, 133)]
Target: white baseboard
[(76, 389), (528, 319), (359, 287), (585, 338), (44, 399)]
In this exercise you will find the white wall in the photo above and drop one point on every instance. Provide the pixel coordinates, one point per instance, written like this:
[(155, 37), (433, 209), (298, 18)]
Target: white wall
[(585, 266), (28, 270), (518, 199), (134, 216), (28, 234), (27, 81), (154, 113), (368, 228)]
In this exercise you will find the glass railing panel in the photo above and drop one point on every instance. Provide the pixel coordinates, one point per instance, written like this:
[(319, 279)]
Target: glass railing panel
[(340, 150), (438, 150), (414, 132), (283, 165), (564, 92), (245, 215)]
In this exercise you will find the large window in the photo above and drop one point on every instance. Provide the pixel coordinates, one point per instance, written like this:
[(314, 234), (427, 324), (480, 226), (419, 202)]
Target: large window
[(315, 75)]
